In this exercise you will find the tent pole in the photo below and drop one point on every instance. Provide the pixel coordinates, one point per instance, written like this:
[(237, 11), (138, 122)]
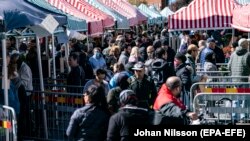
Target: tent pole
[(42, 86), (67, 56), (5, 71), (248, 38), (53, 56), (5, 78), (46, 45)]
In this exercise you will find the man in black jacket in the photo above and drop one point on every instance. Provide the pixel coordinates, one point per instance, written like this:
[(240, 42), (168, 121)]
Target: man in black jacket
[(129, 115), (143, 86)]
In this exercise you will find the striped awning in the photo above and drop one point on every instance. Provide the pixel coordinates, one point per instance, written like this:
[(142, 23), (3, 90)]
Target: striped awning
[(113, 5), (153, 18), (73, 23), (92, 12), (95, 26), (166, 12), (122, 22), (241, 18), (126, 6), (203, 15)]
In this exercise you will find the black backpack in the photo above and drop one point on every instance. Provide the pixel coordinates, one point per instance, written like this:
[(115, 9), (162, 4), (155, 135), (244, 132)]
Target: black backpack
[(158, 73)]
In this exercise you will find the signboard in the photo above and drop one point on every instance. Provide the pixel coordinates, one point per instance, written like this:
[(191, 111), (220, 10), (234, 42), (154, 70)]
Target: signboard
[(46, 28)]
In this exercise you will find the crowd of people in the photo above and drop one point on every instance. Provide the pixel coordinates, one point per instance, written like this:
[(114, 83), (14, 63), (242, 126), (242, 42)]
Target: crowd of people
[(132, 79)]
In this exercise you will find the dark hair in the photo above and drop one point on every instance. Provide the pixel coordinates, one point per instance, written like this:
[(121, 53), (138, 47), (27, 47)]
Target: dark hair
[(100, 71), (235, 44), (164, 42), (97, 97), (159, 52), (123, 46), (111, 42), (120, 67), (23, 47), (181, 57), (75, 56), (122, 81)]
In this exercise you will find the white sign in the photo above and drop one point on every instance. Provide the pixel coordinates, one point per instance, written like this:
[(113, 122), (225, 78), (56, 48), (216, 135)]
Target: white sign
[(46, 28)]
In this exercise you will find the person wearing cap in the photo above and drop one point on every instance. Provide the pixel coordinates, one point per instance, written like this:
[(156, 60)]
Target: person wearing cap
[(184, 72), (169, 104), (209, 48), (239, 65), (129, 115), (143, 86), (90, 122)]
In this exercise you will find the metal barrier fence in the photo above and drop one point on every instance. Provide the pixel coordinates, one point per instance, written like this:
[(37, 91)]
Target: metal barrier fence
[(60, 88), (57, 108), (8, 124), (223, 66), (218, 87), (214, 73), (222, 111), (228, 78)]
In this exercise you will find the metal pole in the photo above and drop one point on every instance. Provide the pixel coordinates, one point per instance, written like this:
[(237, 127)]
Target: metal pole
[(248, 38), (67, 56), (5, 77), (53, 56), (47, 46), (42, 86)]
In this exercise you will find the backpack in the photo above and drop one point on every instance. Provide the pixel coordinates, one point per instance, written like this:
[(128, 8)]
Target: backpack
[(158, 73)]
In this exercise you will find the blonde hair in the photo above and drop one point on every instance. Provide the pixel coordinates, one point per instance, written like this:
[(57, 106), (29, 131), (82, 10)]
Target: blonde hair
[(135, 51), (113, 49)]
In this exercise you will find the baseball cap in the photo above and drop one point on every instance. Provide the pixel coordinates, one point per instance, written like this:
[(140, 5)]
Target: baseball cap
[(138, 66), (210, 40)]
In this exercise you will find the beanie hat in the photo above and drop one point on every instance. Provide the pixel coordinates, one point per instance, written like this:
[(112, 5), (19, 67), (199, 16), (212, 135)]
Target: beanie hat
[(126, 96)]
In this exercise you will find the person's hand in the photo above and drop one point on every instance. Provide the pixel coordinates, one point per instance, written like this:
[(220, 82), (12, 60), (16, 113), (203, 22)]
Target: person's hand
[(192, 115)]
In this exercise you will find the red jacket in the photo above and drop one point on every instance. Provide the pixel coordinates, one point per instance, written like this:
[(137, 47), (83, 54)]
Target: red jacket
[(165, 96)]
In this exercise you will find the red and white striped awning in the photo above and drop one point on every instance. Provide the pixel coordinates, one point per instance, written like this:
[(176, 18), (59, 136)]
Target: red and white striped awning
[(113, 5), (87, 9), (203, 15), (241, 18), (128, 7), (95, 26)]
